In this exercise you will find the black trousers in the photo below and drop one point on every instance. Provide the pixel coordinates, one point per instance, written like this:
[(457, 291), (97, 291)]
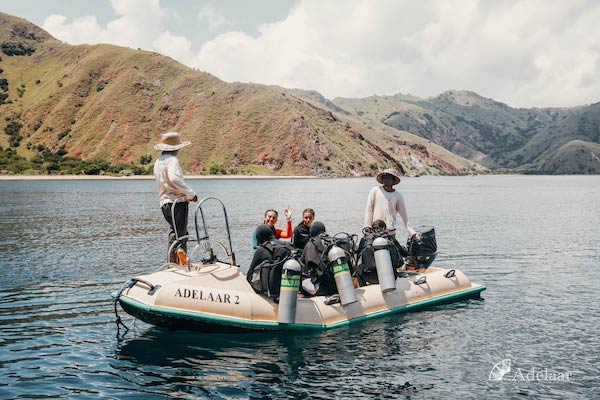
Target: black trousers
[(180, 223)]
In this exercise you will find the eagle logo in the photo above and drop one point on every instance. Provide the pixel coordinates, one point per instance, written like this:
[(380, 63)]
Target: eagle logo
[(499, 370)]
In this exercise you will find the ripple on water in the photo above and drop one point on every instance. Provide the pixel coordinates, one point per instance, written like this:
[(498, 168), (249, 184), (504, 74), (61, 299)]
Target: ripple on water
[(72, 243)]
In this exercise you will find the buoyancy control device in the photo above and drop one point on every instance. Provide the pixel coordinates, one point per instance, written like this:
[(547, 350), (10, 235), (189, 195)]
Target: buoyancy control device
[(317, 267), (265, 278), (369, 252)]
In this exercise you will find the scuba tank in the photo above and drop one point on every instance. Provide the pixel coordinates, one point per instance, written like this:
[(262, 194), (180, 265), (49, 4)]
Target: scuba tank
[(288, 293), (341, 273), (383, 263)]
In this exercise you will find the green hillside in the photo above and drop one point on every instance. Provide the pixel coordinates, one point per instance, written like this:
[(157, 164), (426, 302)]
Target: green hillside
[(110, 104)]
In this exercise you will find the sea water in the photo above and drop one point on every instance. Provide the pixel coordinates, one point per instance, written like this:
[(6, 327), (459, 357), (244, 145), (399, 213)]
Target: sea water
[(532, 240)]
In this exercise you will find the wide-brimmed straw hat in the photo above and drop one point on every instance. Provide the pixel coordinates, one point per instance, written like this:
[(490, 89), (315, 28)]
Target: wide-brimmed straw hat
[(171, 141), (389, 171)]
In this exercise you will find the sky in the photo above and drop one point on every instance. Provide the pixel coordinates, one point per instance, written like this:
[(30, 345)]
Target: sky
[(533, 53)]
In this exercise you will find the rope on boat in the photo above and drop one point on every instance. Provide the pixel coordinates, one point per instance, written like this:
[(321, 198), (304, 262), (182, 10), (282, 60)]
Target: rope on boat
[(118, 320)]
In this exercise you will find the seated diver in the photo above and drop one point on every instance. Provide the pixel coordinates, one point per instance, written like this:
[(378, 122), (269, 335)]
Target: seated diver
[(379, 226), (263, 234), (301, 232), (317, 279), (264, 273)]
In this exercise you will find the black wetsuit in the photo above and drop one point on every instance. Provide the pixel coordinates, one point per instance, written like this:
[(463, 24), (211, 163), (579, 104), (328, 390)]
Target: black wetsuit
[(261, 254), (301, 235)]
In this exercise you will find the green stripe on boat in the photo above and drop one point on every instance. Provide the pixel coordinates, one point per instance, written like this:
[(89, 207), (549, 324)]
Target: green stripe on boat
[(231, 321)]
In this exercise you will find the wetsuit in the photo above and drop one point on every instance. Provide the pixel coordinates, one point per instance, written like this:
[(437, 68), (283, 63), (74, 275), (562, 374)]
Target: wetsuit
[(278, 233), (301, 235)]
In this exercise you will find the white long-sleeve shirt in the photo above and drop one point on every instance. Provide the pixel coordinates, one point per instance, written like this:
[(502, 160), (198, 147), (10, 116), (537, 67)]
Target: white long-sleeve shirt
[(169, 179), (384, 205)]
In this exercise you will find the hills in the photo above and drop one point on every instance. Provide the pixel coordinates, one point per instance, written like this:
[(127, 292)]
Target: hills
[(101, 108), (108, 103), (492, 133), (574, 157)]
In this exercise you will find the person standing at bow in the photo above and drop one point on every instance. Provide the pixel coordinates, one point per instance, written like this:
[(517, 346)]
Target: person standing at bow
[(173, 189), (385, 202)]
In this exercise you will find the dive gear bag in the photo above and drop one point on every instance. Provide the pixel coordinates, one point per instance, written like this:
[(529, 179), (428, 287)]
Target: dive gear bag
[(422, 247)]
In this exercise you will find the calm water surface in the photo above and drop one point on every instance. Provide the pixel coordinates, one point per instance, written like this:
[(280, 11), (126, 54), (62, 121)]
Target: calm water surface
[(533, 241)]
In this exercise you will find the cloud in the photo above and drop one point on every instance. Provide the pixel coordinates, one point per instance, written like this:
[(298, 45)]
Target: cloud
[(214, 19), (525, 53), (177, 47), (532, 53), (139, 23), (81, 30)]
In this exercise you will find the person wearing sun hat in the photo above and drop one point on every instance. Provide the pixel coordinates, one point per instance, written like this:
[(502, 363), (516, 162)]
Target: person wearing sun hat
[(385, 202), (172, 188)]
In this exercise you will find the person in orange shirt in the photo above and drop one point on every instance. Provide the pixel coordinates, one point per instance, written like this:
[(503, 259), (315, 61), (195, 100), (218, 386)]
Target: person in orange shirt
[(270, 219)]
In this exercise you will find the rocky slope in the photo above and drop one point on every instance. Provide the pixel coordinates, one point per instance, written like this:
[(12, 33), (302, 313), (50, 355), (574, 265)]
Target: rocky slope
[(110, 102), (487, 131), (574, 157)]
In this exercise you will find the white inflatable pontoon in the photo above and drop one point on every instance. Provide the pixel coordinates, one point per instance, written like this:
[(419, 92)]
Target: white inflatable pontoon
[(215, 296)]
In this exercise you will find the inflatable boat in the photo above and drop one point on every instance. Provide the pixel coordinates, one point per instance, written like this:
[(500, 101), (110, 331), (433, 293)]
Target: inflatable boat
[(215, 296)]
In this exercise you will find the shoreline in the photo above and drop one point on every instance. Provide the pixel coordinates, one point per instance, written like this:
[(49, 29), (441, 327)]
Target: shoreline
[(223, 177), (142, 177)]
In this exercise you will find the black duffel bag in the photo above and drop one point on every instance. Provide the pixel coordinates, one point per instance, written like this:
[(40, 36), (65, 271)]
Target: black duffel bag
[(422, 247)]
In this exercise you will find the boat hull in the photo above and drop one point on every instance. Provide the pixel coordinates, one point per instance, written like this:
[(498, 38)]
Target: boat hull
[(176, 320), (217, 298)]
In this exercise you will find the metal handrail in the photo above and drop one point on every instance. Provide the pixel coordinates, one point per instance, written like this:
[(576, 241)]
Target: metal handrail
[(196, 247), (206, 238)]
